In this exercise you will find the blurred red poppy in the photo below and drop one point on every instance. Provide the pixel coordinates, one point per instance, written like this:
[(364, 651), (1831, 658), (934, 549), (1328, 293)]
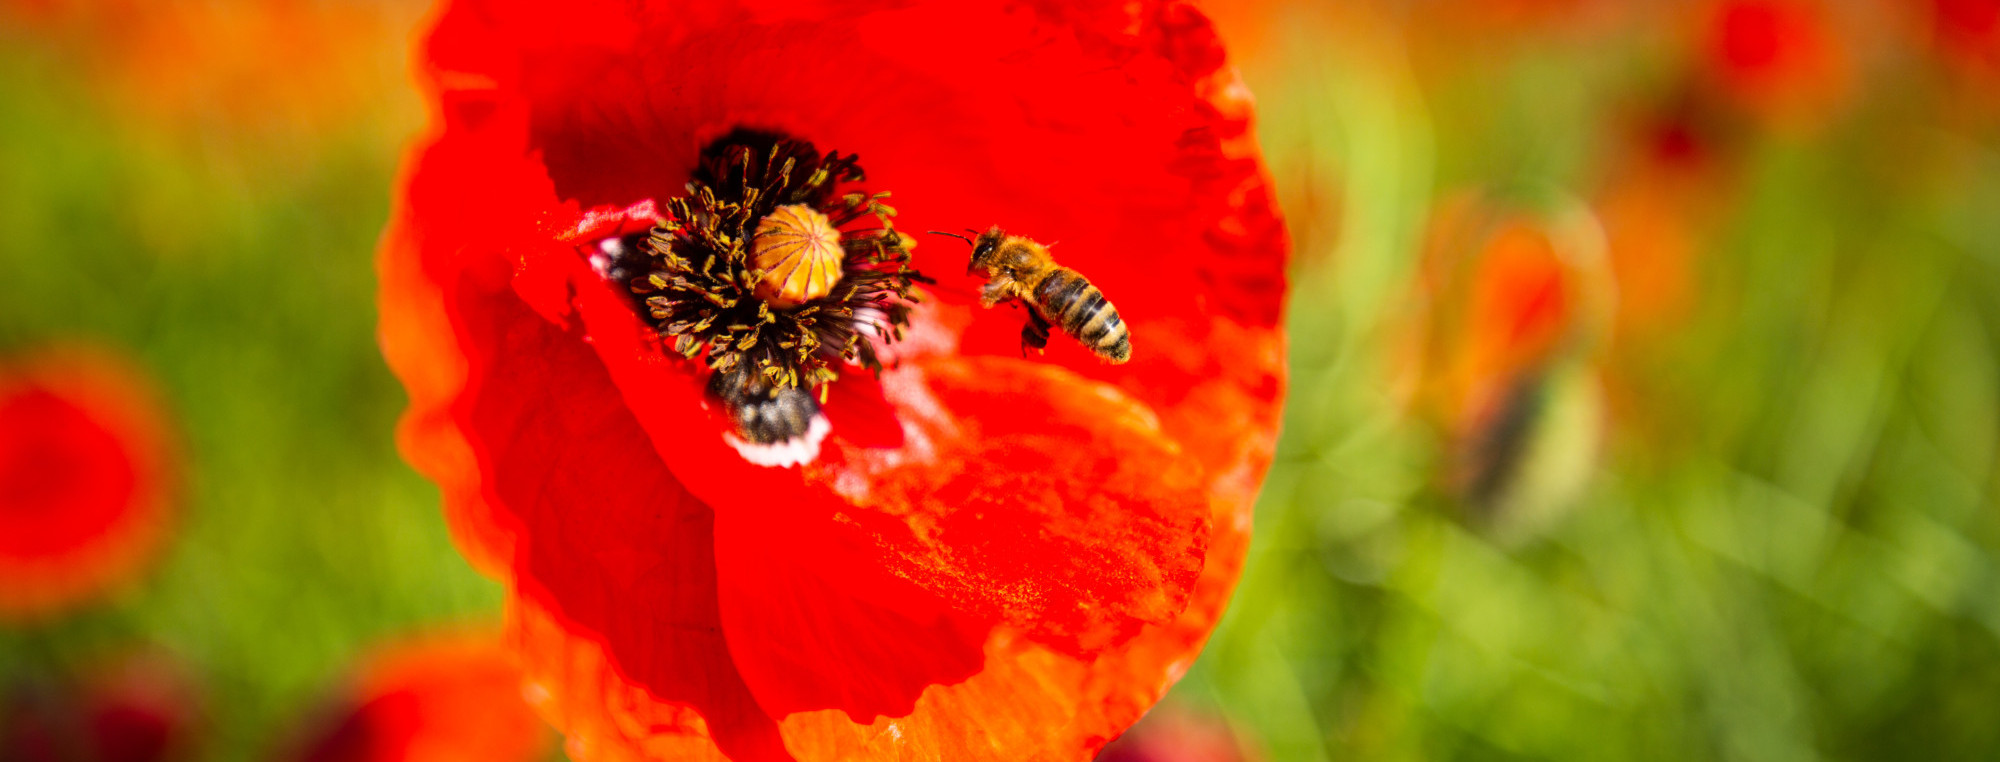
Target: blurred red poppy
[(1781, 60), (1965, 35), (83, 480), (989, 556), (140, 707), (1968, 30), (444, 698)]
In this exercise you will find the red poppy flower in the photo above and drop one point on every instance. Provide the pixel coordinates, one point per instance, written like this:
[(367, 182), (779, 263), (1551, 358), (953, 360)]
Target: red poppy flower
[(83, 480), (439, 699), (972, 554)]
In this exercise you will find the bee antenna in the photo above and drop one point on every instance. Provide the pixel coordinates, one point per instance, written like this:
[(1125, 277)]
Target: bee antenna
[(954, 235)]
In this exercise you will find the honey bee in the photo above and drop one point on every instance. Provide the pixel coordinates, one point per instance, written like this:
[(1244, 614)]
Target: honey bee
[(1020, 269)]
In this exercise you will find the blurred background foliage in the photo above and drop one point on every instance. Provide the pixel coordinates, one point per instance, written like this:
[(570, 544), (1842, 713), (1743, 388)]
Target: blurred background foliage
[(201, 186), (1644, 399), (1778, 540)]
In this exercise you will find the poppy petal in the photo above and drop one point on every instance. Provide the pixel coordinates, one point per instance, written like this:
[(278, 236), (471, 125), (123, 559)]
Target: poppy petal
[(610, 546)]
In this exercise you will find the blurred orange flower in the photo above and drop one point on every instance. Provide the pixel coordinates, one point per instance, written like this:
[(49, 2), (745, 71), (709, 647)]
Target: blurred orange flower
[(84, 477), (445, 698), (1503, 297), (1515, 303)]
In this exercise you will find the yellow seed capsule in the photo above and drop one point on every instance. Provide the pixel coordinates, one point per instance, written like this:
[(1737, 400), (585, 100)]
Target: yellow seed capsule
[(799, 251)]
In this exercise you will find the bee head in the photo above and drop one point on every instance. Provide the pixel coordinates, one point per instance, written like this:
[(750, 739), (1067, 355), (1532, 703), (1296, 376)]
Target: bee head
[(982, 247)]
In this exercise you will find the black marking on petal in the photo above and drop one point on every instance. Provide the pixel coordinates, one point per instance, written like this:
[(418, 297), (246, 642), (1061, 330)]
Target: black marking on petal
[(763, 414)]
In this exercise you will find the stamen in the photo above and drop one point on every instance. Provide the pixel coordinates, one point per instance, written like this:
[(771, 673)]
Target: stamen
[(773, 265)]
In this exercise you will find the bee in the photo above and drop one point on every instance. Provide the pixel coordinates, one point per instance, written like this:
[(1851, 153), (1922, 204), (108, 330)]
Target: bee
[(763, 414), (1020, 269)]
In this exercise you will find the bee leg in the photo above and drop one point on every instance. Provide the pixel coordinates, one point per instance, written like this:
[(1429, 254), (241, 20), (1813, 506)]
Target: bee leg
[(1034, 335), (995, 292)]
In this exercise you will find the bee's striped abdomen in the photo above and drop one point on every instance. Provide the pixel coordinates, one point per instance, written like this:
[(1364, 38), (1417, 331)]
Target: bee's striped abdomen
[(1068, 300)]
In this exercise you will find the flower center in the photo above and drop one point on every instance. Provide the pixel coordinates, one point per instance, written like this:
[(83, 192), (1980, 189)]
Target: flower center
[(799, 252), (774, 269)]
